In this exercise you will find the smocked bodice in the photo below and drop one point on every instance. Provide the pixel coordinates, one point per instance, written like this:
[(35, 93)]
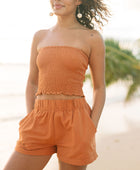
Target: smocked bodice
[(61, 70)]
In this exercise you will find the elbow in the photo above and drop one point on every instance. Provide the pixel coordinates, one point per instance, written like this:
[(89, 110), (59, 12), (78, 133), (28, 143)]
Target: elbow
[(32, 81), (102, 87), (100, 90)]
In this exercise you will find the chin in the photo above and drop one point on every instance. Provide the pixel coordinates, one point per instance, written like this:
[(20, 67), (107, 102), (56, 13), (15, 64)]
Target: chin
[(59, 13)]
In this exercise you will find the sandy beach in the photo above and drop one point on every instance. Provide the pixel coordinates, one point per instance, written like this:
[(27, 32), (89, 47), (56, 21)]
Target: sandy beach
[(117, 136)]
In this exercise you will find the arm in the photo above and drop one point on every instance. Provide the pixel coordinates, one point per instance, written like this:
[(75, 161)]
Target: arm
[(32, 82), (97, 69)]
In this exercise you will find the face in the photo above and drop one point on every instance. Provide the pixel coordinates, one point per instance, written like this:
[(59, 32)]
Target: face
[(64, 7)]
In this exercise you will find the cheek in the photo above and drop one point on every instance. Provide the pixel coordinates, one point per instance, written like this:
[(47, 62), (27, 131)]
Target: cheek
[(68, 2)]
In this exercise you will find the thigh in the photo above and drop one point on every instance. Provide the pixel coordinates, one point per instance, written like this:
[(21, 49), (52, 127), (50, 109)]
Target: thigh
[(66, 166), (23, 162)]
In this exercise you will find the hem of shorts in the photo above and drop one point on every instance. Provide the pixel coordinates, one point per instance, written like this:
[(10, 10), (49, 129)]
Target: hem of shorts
[(34, 152), (79, 162)]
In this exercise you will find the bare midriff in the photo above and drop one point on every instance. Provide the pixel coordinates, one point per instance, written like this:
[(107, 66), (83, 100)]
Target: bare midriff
[(58, 96)]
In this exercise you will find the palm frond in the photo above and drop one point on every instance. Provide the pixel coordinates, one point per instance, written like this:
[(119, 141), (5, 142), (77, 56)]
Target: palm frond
[(122, 65)]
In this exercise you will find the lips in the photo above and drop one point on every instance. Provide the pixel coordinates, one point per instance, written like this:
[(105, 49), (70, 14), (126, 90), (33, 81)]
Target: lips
[(58, 5)]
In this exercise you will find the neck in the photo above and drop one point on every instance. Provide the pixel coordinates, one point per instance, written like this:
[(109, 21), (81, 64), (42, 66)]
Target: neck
[(65, 22)]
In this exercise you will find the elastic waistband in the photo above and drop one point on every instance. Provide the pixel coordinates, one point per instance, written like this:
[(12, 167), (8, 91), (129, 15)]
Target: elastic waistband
[(59, 104)]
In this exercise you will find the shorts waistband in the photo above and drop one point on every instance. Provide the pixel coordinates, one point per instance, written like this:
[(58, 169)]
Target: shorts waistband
[(59, 104)]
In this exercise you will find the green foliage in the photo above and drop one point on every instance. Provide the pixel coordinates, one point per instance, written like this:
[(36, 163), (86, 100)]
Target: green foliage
[(122, 65)]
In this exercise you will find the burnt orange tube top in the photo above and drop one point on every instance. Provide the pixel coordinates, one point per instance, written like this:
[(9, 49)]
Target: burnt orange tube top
[(61, 70)]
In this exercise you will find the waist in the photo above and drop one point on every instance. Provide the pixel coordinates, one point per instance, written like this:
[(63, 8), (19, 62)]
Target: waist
[(56, 96)]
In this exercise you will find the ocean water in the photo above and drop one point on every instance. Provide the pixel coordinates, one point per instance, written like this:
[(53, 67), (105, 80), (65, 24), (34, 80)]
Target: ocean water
[(13, 78)]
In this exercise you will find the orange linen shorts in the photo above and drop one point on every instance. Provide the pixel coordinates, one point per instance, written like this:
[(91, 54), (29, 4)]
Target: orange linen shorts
[(61, 126)]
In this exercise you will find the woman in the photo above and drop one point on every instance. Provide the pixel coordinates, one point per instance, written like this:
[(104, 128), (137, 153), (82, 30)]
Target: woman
[(59, 119)]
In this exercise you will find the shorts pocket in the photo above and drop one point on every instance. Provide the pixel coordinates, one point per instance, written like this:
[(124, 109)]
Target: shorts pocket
[(24, 118), (89, 118), (91, 122)]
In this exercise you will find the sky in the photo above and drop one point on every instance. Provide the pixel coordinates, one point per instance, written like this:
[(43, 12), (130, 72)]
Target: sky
[(21, 19)]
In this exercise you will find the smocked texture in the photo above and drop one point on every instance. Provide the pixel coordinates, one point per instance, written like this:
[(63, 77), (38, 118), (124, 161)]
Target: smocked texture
[(61, 70)]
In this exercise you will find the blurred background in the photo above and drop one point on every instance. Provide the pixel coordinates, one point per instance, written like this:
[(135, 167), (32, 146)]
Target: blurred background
[(117, 134)]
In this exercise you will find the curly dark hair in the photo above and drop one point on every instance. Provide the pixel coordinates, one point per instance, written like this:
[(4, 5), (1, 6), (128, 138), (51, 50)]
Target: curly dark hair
[(94, 12)]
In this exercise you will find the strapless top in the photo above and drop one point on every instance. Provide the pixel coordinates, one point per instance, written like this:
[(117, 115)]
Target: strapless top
[(61, 70)]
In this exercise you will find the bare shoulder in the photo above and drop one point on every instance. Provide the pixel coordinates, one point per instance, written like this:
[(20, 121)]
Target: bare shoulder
[(96, 42), (38, 37), (39, 34), (95, 38), (97, 47)]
